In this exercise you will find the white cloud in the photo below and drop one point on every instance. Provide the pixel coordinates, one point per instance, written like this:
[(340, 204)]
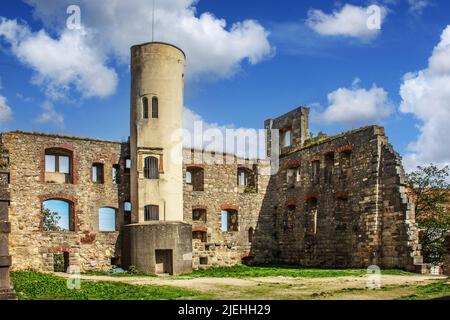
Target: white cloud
[(212, 47), (417, 6), (357, 106), (50, 115), (202, 135), (62, 63), (5, 110), (349, 21), (426, 95)]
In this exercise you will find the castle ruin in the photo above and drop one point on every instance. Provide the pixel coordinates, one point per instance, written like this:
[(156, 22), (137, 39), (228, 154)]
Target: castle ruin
[(339, 203)]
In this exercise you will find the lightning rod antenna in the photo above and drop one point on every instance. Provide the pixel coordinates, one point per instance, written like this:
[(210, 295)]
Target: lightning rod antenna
[(153, 22)]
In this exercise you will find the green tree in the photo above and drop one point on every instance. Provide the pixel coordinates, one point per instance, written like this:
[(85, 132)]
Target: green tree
[(430, 191), (51, 221)]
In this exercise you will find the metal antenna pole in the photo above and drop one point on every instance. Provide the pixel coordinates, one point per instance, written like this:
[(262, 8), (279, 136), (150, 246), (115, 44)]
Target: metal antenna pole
[(153, 22)]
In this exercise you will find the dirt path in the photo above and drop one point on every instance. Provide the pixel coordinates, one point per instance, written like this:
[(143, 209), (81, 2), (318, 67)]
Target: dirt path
[(283, 287)]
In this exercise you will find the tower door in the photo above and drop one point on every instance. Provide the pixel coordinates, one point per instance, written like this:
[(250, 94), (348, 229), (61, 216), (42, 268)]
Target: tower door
[(163, 262)]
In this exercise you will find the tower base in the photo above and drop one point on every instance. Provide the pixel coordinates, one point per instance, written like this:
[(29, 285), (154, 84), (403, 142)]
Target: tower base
[(8, 294), (158, 247)]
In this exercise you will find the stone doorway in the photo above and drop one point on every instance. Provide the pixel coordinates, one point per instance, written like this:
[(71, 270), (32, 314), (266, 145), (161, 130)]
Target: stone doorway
[(164, 262), (61, 262)]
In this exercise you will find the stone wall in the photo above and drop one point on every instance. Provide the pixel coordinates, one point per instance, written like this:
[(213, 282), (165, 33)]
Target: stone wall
[(221, 192), (6, 291), (446, 264), (87, 247), (338, 203)]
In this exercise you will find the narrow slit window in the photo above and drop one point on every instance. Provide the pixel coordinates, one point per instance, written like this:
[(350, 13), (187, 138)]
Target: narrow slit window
[(155, 107), (145, 108)]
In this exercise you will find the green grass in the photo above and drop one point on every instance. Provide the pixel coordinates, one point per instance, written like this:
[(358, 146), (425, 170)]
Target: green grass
[(243, 271), (38, 286), (437, 289)]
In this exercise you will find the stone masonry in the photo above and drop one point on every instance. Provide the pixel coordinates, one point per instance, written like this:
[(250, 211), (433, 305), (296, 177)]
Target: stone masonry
[(338, 203), (6, 291)]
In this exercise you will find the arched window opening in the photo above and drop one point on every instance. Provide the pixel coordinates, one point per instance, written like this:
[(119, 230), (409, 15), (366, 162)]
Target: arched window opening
[(145, 107), (251, 233), (155, 107), (107, 219), (151, 168), (58, 215)]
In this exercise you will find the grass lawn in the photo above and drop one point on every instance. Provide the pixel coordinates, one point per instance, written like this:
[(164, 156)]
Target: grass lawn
[(39, 286), (243, 271)]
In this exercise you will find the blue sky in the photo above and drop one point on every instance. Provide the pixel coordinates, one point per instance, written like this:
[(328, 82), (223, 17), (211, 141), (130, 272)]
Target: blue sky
[(277, 56)]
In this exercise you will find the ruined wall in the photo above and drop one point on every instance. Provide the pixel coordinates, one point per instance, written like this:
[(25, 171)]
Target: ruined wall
[(399, 239), (30, 245), (6, 292), (325, 207), (221, 191), (446, 264)]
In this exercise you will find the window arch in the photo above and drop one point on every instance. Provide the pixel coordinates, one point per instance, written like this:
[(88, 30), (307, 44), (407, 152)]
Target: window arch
[(151, 168), (145, 107), (155, 108), (107, 219), (58, 215), (251, 233)]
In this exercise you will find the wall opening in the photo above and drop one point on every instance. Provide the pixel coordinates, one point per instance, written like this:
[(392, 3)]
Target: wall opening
[(58, 165), (195, 177), (199, 235), (311, 220), (106, 219), (116, 174), (203, 261), (199, 215), (315, 172), (151, 213), (329, 166), (61, 262), (127, 212), (155, 108), (251, 233), (145, 107), (230, 221), (98, 173), (58, 215), (151, 168), (164, 262)]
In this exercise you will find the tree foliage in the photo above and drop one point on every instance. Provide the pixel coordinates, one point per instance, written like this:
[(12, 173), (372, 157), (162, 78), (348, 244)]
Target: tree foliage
[(430, 191), (51, 221)]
